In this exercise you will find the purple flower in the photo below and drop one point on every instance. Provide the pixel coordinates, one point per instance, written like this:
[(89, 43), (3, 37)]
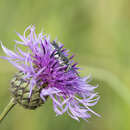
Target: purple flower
[(46, 62)]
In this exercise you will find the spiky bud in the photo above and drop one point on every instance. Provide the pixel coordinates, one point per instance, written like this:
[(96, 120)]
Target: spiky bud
[(20, 91)]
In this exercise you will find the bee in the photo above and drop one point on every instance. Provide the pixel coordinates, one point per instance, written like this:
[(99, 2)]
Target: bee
[(59, 52), (64, 60)]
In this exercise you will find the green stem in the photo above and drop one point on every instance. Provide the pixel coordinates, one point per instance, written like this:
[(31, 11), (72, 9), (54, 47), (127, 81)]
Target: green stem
[(111, 79), (7, 109)]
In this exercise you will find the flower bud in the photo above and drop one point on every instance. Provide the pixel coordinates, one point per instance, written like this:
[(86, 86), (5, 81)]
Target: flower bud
[(20, 91)]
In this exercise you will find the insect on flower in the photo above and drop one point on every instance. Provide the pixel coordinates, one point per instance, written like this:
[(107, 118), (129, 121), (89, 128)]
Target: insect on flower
[(46, 70)]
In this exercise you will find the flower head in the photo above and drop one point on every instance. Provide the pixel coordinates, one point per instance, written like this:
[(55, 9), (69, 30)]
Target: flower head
[(48, 68)]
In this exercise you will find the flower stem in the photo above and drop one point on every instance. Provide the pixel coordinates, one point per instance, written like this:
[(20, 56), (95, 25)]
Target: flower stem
[(11, 104), (111, 79)]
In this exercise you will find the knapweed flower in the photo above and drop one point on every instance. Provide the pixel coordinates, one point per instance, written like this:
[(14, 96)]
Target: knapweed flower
[(46, 70)]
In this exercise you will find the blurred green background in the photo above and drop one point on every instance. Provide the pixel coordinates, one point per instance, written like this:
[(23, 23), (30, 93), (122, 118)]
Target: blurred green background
[(97, 31)]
